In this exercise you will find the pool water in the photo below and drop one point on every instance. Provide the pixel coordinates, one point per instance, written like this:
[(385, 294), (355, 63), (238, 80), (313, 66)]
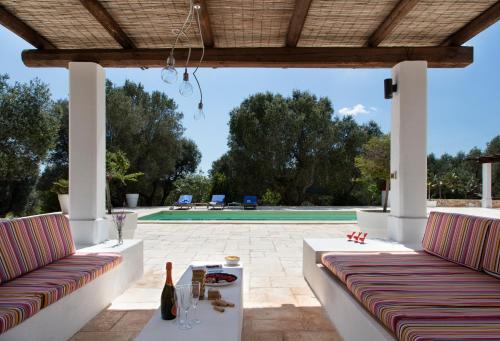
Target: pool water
[(252, 215)]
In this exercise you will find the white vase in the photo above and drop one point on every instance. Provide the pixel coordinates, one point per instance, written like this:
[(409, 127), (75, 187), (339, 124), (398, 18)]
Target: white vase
[(132, 200), (374, 222), (64, 202)]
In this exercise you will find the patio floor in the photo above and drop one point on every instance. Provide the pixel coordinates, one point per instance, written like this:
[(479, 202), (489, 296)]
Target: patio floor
[(278, 304)]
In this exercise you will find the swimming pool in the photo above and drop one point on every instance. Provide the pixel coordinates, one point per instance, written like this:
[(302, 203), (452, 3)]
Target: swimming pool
[(278, 215)]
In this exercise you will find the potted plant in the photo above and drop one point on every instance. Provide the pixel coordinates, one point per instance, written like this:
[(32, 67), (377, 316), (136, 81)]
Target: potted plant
[(117, 166), (374, 165), (61, 188)]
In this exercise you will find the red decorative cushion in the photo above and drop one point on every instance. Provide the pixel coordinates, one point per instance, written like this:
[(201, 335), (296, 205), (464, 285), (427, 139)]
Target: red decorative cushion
[(456, 237), (29, 243), (491, 259)]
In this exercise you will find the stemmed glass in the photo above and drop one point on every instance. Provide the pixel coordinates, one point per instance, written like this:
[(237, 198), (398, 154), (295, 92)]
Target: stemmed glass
[(195, 297), (183, 296)]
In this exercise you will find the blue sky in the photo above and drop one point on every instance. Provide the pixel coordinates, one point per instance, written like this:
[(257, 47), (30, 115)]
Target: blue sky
[(463, 104)]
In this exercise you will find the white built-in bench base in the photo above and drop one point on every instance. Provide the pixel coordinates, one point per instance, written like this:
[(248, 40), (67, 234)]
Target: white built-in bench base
[(351, 320), (62, 319)]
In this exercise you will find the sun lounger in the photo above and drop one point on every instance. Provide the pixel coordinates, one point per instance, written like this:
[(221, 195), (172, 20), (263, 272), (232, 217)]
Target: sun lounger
[(185, 201), (249, 202), (217, 201)]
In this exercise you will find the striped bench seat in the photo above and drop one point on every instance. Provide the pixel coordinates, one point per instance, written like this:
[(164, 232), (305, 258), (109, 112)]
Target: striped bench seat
[(26, 295), (39, 265), (419, 296)]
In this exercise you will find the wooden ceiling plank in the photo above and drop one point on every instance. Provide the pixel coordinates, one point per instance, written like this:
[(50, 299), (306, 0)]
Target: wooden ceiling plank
[(108, 22), (24, 31), (477, 25), (391, 21), (206, 27), (297, 22), (281, 57)]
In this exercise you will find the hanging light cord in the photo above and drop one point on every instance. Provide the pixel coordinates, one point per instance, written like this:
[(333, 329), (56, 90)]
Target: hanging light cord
[(182, 32), (202, 54)]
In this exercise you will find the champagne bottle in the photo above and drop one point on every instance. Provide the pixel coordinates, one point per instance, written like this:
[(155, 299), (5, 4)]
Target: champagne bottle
[(168, 307)]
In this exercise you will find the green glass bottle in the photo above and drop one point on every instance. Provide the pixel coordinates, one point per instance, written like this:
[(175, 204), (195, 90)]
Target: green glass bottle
[(168, 307)]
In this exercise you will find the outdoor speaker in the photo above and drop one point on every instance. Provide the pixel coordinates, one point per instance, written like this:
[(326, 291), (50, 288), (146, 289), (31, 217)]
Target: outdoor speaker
[(389, 88)]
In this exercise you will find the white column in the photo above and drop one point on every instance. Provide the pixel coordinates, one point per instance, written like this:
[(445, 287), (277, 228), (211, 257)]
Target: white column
[(487, 201), (409, 152), (87, 153)]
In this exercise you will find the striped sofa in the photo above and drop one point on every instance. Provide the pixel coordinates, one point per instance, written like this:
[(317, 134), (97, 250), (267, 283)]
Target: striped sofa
[(39, 265), (448, 291)]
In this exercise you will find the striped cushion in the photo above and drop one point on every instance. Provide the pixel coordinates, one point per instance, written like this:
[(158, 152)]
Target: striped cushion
[(456, 237), (491, 260), (14, 309), (29, 243), (421, 297), (49, 284)]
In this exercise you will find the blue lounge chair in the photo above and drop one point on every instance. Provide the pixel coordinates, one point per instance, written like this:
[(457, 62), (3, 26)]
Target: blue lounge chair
[(185, 201), (217, 201), (249, 202)]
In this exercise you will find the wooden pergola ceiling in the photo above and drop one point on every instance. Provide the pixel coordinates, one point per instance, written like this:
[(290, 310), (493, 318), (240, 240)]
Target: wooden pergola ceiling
[(258, 33)]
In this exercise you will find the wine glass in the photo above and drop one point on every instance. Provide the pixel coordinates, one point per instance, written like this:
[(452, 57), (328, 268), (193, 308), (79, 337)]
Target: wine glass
[(195, 297), (183, 295)]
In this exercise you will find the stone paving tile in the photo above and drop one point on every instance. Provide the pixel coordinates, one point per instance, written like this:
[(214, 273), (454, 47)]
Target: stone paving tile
[(278, 304)]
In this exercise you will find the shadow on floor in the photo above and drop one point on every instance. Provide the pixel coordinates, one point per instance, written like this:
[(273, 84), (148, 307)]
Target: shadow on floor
[(284, 323), (287, 323)]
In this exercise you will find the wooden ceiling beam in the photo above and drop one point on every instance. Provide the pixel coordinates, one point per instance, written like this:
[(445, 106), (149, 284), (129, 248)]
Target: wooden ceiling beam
[(206, 27), (477, 25), (24, 31), (297, 22), (108, 22), (285, 57), (391, 21)]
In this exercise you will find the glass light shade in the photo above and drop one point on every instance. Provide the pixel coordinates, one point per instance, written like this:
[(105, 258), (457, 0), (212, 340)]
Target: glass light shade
[(169, 74), (186, 88), (199, 114)]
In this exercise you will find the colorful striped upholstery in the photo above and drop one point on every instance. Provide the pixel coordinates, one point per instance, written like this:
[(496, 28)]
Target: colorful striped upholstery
[(29, 243), (456, 237), (17, 308), (420, 297), (491, 259), (26, 295)]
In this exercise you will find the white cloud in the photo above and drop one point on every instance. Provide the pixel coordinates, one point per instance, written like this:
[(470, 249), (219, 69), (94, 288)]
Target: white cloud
[(356, 110)]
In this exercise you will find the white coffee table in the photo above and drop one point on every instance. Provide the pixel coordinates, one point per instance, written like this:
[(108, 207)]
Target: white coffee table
[(214, 325)]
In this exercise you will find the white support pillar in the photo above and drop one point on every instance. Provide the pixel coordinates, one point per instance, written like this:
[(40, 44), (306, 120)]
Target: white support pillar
[(487, 201), (409, 152), (87, 153)]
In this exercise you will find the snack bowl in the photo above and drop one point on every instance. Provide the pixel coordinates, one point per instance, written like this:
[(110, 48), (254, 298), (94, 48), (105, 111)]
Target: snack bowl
[(232, 260), (219, 279)]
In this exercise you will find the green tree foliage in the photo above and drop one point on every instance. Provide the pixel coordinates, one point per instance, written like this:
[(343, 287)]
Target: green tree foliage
[(271, 198), (147, 128), (29, 125), (291, 146), (493, 147), (56, 165), (117, 166), (374, 163), (452, 177), (198, 185)]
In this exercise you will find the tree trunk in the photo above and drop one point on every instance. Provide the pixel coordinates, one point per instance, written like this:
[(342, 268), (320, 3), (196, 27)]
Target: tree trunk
[(108, 197), (386, 194)]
